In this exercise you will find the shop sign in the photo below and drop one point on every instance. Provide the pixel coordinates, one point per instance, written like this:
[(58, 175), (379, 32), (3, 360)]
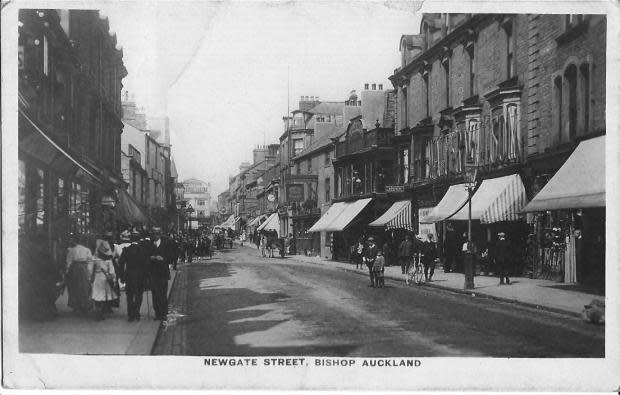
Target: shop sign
[(295, 193), (395, 188)]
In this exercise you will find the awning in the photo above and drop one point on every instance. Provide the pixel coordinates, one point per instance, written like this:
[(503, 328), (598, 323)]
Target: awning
[(128, 210), (398, 216), (256, 221), (229, 222), (451, 202), (497, 199), (272, 223), (39, 145), (328, 217), (579, 183), (351, 210)]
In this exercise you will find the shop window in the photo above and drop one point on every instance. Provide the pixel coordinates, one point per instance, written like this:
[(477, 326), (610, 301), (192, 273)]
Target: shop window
[(39, 188), (21, 191)]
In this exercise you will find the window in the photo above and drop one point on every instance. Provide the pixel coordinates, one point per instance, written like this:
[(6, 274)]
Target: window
[(298, 146), (309, 166), (472, 70), (405, 164), (446, 72), (404, 109), (570, 76), (509, 51), (200, 202), (557, 87), (327, 190), (148, 151), (428, 94), (297, 168), (584, 74)]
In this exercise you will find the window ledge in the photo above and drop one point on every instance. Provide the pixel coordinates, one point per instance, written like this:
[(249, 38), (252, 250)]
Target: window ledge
[(572, 32)]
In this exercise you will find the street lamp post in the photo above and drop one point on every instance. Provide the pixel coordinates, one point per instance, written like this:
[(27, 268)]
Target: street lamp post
[(471, 173), (189, 210)]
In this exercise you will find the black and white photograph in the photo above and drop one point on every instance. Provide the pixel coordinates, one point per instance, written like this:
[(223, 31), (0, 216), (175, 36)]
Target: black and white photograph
[(310, 195)]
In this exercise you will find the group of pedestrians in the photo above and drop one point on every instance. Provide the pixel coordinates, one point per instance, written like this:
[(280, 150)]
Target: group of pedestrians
[(138, 263), (425, 251), (191, 247)]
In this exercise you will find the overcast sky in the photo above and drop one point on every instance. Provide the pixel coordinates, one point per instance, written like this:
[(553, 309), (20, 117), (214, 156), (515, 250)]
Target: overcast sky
[(219, 70)]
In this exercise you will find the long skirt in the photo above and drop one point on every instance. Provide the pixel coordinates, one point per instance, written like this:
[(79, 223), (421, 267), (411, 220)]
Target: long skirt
[(78, 287)]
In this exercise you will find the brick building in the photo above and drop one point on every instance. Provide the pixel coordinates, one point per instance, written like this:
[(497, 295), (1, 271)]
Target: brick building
[(69, 130), (506, 96)]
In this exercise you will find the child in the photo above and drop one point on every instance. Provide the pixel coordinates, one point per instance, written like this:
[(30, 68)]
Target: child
[(379, 268)]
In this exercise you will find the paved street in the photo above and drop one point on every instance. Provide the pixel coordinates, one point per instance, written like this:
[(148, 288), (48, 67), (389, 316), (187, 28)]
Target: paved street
[(238, 304)]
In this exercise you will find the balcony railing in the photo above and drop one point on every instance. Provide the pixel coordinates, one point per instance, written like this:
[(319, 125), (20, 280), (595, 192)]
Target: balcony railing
[(361, 141), (494, 143)]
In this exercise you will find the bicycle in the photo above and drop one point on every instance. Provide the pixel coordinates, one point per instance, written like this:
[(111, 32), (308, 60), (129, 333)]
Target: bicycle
[(415, 274)]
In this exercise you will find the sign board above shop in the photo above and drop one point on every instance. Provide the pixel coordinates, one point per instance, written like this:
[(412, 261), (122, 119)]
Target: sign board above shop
[(295, 193), (395, 188)]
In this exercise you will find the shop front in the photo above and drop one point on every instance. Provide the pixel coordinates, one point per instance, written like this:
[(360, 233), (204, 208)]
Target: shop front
[(567, 218), (496, 206), (345, 222)]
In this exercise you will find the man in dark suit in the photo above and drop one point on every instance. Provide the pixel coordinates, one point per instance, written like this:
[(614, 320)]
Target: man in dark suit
[(160, 257), (133, 271), (502, 258)]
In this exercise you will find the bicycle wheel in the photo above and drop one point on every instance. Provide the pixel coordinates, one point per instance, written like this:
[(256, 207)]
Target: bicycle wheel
[(419, 274)]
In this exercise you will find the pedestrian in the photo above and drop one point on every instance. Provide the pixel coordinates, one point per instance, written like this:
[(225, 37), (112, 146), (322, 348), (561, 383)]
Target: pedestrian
[(369, 257), (242, 237), (103, 278), (502, 257), (159, 274), (191, 247), (133, 266), (430, 257), (451, 249), (291, 245), (262, 245), (116, 254), (386, 249), (379, 268), (79, 259), (405, 252), (208, 251)]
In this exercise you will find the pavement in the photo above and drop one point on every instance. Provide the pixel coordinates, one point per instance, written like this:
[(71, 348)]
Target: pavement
[(541, 294), (70, 333)]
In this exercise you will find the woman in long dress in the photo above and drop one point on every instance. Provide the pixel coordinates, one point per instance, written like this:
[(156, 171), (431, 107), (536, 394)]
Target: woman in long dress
[(79, 258), (103, 274)]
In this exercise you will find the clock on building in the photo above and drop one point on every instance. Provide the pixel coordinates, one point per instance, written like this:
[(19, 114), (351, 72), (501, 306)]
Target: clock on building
[(271, 197)]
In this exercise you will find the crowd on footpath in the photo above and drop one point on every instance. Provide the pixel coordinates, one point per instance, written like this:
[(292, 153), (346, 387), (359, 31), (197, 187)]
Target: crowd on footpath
[(98, 268), (494, 259)]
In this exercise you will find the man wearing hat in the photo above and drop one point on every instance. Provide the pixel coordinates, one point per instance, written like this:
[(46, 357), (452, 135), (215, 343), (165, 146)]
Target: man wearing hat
[(369, 257), (502, 255), (133, 270), (160, 257)]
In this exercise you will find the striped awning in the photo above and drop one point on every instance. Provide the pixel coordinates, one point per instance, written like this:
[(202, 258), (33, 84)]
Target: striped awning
[(451, 202), (398, 216), (496, 200), (272, 223), (334, 211), (579, 183)]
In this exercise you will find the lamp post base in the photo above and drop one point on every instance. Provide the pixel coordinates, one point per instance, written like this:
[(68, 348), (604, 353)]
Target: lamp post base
[(468, 269)]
